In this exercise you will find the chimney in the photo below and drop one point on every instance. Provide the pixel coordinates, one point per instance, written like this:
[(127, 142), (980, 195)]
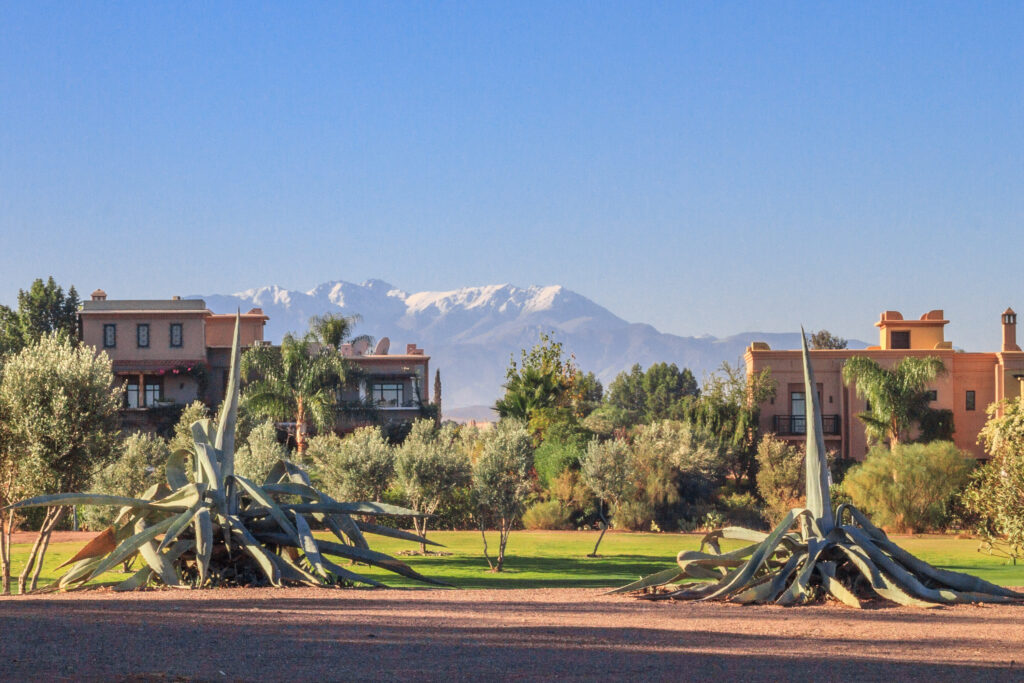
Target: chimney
[(175, 298), (1010, 331), (99, 295)]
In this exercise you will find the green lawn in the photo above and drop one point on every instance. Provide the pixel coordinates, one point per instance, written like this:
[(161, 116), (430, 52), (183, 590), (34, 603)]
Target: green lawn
[(557, 559)]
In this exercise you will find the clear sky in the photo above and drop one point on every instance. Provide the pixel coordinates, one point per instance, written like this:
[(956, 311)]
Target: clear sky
[(704, 167)]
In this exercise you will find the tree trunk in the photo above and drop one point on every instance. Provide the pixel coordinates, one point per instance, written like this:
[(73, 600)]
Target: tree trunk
[(604, 526), (300, 429), (420, 524), (486, 556), (6, 529), (34, 563), (503, 532)]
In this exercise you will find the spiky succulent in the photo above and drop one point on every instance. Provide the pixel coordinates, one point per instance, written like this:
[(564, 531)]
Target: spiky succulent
[(840, 554), (219, 528)]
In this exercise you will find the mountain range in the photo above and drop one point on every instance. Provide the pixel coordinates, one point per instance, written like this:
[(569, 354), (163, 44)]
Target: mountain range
[(471, 333)]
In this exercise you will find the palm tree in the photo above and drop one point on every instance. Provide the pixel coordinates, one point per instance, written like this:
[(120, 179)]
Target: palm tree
[(297, 382), (333, 329), (896, 398), (530, 390)]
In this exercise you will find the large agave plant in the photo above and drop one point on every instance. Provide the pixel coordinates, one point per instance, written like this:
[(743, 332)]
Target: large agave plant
[(219, 528), (841, 554)]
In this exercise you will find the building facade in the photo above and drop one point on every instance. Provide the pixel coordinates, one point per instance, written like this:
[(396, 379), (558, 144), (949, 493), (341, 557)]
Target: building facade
[(385, 387), (971, 383), (166, 352)]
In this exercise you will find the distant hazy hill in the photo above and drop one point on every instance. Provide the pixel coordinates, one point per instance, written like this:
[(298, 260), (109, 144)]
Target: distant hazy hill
[(470, 333)]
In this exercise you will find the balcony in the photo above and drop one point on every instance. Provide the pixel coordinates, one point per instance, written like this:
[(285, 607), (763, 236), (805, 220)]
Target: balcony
[(796, 425)]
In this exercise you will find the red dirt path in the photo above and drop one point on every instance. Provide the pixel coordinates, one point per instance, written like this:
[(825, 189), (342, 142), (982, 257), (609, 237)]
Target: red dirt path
[(308, 634)]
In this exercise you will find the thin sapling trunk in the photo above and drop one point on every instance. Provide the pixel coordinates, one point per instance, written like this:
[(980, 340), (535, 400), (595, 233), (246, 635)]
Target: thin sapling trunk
[(604, 526)]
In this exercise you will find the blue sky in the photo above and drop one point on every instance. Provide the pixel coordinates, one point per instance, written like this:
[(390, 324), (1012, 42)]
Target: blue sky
[(706, 168)]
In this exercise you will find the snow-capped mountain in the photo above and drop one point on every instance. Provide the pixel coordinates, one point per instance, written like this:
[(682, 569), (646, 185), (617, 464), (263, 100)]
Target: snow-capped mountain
[(470, 333)]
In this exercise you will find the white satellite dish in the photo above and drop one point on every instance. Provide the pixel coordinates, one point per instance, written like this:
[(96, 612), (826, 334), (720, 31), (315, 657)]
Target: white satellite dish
[(382, 347), (360, 347)]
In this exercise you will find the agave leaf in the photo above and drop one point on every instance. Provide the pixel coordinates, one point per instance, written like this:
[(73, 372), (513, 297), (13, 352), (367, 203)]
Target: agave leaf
[(183, 520), (377, 559), (57, 499), (777, 582), (290, 571), (182, 499), (101, 544), (78, 573), (137, 580), (256, 551), (309, 546), (818, 500), (955, 580), (291, 488), (670, 575), (156, 560), (284, 471), (204, 543), (343, 573), (206, 455), (798, 590), (362, 508), (827, 572), (760, 591), (131, 545), (261, 497), (760, 555), (880, 583), (225, 440), (390, 532), (127, 516), (175, 469)]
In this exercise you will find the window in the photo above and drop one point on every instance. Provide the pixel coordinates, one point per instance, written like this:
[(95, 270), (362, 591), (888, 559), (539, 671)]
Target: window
[(175, 335), (131, 395), (388, 394), (932, 395), (153, 393), (798, 412), (900, 340), (970, 401), (109, 336), (142, 335)]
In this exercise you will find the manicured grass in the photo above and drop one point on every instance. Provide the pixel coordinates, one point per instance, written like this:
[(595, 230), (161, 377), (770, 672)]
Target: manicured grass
[(557, 559)]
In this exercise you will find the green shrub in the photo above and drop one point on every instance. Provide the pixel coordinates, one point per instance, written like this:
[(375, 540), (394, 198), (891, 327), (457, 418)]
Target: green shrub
[(260, 452), (359, 467), (139, 465), (547, 515), (740, 509), (780, 477), (634, 515), (909, 488), (994, 501), (553, 457)]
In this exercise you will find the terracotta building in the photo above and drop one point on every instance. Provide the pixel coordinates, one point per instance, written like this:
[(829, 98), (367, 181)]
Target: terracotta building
[(394, 384), (166, 351), (971, 383)]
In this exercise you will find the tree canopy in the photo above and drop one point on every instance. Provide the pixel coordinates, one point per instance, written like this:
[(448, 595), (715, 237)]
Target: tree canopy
[(660, 393), (43, 309), (823, 339), (896, 398)]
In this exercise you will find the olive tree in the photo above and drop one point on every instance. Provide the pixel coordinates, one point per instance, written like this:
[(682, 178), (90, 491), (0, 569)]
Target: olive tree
[(431, 466), (139, 464), (995, 497), (502, 480), (359, 467), (261, 451), (609, 473), (61, 411)]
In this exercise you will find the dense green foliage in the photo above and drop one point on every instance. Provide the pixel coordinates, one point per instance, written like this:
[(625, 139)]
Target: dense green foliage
[(995, 497), (823, 339), (662, 392), (260, 452), (42, 310), (780, 477), (139, 465), (359, 467), (910, 487)]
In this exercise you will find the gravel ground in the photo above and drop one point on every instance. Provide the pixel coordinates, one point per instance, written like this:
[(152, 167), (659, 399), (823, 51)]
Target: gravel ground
[(309, 634)]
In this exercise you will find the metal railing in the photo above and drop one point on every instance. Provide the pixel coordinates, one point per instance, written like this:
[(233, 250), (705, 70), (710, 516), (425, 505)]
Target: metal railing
[(787, 425)]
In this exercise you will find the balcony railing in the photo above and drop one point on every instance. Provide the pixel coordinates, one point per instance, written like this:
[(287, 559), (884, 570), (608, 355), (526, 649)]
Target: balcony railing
[(788, 425)]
